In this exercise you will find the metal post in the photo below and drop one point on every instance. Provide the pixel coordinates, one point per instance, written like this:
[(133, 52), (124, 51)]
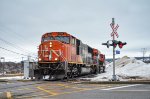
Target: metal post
[(144, 52), (22, 58), (149, 57), (0, 62), (143, 57), (114, 76), (3, 65)]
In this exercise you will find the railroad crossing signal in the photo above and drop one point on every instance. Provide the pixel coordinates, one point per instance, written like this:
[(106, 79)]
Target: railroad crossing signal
[(107, 44), (121, 44), (115, 43), (114, 30)]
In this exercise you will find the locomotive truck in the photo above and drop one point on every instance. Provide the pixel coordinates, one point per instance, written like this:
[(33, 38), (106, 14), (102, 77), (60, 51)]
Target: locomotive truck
[(61, 55)]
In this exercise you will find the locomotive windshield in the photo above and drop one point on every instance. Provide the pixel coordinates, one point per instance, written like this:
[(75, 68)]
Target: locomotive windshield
[(64, 39)]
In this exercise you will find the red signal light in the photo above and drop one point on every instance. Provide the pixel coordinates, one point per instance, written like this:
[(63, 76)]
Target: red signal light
[(120, 44), (114, 45)]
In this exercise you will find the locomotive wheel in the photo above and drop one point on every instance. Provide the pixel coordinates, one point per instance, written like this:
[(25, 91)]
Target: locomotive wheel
[(38, 75), (103, 69), (94, 69)]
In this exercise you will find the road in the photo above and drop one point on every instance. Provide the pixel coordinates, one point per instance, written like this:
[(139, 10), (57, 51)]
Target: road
[(74, 90)]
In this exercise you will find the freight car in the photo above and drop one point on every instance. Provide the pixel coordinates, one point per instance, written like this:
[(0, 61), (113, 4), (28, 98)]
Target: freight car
[(61, 55)]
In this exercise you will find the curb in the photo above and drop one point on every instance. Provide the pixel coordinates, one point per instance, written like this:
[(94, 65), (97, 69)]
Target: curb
[(25, 80), (116, 82), (3, 80)]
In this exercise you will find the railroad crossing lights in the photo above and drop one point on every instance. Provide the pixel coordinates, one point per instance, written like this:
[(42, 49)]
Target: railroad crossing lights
[(114, 43)]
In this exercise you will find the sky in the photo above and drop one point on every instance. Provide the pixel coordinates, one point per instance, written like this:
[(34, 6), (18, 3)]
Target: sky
[(23, 22)]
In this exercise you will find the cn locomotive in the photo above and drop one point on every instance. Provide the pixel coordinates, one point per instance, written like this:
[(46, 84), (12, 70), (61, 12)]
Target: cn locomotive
[(61, 55)]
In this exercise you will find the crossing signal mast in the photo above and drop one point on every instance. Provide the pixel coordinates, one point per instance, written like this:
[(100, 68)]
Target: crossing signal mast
[(114, 44)]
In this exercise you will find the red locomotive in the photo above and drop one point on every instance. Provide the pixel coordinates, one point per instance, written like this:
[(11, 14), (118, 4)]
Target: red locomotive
[(62, 55)]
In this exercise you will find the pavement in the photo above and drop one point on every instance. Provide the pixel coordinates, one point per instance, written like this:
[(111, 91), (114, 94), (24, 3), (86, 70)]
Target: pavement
[(72, 90)]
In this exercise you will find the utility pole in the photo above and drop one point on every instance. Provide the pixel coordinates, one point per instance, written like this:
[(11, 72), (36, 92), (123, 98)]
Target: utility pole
[(149, 58), (22, 58), (3, 64), (0, 62), (144, 50), (22, 64)]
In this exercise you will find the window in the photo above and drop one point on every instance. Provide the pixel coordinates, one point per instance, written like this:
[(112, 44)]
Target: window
[(73, 41), (47, 38), (64, 39)]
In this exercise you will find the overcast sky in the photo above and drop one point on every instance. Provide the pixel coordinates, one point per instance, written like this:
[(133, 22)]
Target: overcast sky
[(22, 23)]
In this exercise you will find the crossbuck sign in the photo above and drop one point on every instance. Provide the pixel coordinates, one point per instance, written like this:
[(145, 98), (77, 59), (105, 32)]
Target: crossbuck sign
[(114, 29)]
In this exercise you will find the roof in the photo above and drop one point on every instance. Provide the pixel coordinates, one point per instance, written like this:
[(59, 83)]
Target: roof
[(57, 34)]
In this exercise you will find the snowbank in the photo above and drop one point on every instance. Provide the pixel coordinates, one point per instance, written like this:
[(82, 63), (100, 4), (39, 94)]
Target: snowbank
[(13, 78), (125, 69)]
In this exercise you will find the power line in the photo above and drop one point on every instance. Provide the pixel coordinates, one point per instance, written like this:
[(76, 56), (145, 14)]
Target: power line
[(21, 37), (15, 46), (5, 29), (15, 52), (11, 44), (11, 31)]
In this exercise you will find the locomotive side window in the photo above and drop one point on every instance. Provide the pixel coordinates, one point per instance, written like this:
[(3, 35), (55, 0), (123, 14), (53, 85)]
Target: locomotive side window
[(78, 47), (73, 41)]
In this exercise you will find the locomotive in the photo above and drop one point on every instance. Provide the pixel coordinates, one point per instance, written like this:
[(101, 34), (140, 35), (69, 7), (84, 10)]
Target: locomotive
[(61, 55)]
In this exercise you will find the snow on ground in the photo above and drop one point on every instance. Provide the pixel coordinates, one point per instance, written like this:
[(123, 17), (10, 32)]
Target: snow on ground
[(125, 69), (13, 78)]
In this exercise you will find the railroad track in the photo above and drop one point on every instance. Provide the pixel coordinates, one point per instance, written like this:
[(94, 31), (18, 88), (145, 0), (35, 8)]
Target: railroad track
[(78, 78)]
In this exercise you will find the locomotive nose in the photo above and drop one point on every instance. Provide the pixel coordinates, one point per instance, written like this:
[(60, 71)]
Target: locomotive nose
[(50, 51)]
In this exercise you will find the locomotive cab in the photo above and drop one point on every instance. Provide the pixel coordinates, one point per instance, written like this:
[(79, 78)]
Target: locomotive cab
[(53, 46)]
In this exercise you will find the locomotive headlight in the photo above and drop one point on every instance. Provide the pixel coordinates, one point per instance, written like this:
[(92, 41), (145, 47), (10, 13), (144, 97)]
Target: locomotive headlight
[(40, 59), (56, 59), (50, 44)]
